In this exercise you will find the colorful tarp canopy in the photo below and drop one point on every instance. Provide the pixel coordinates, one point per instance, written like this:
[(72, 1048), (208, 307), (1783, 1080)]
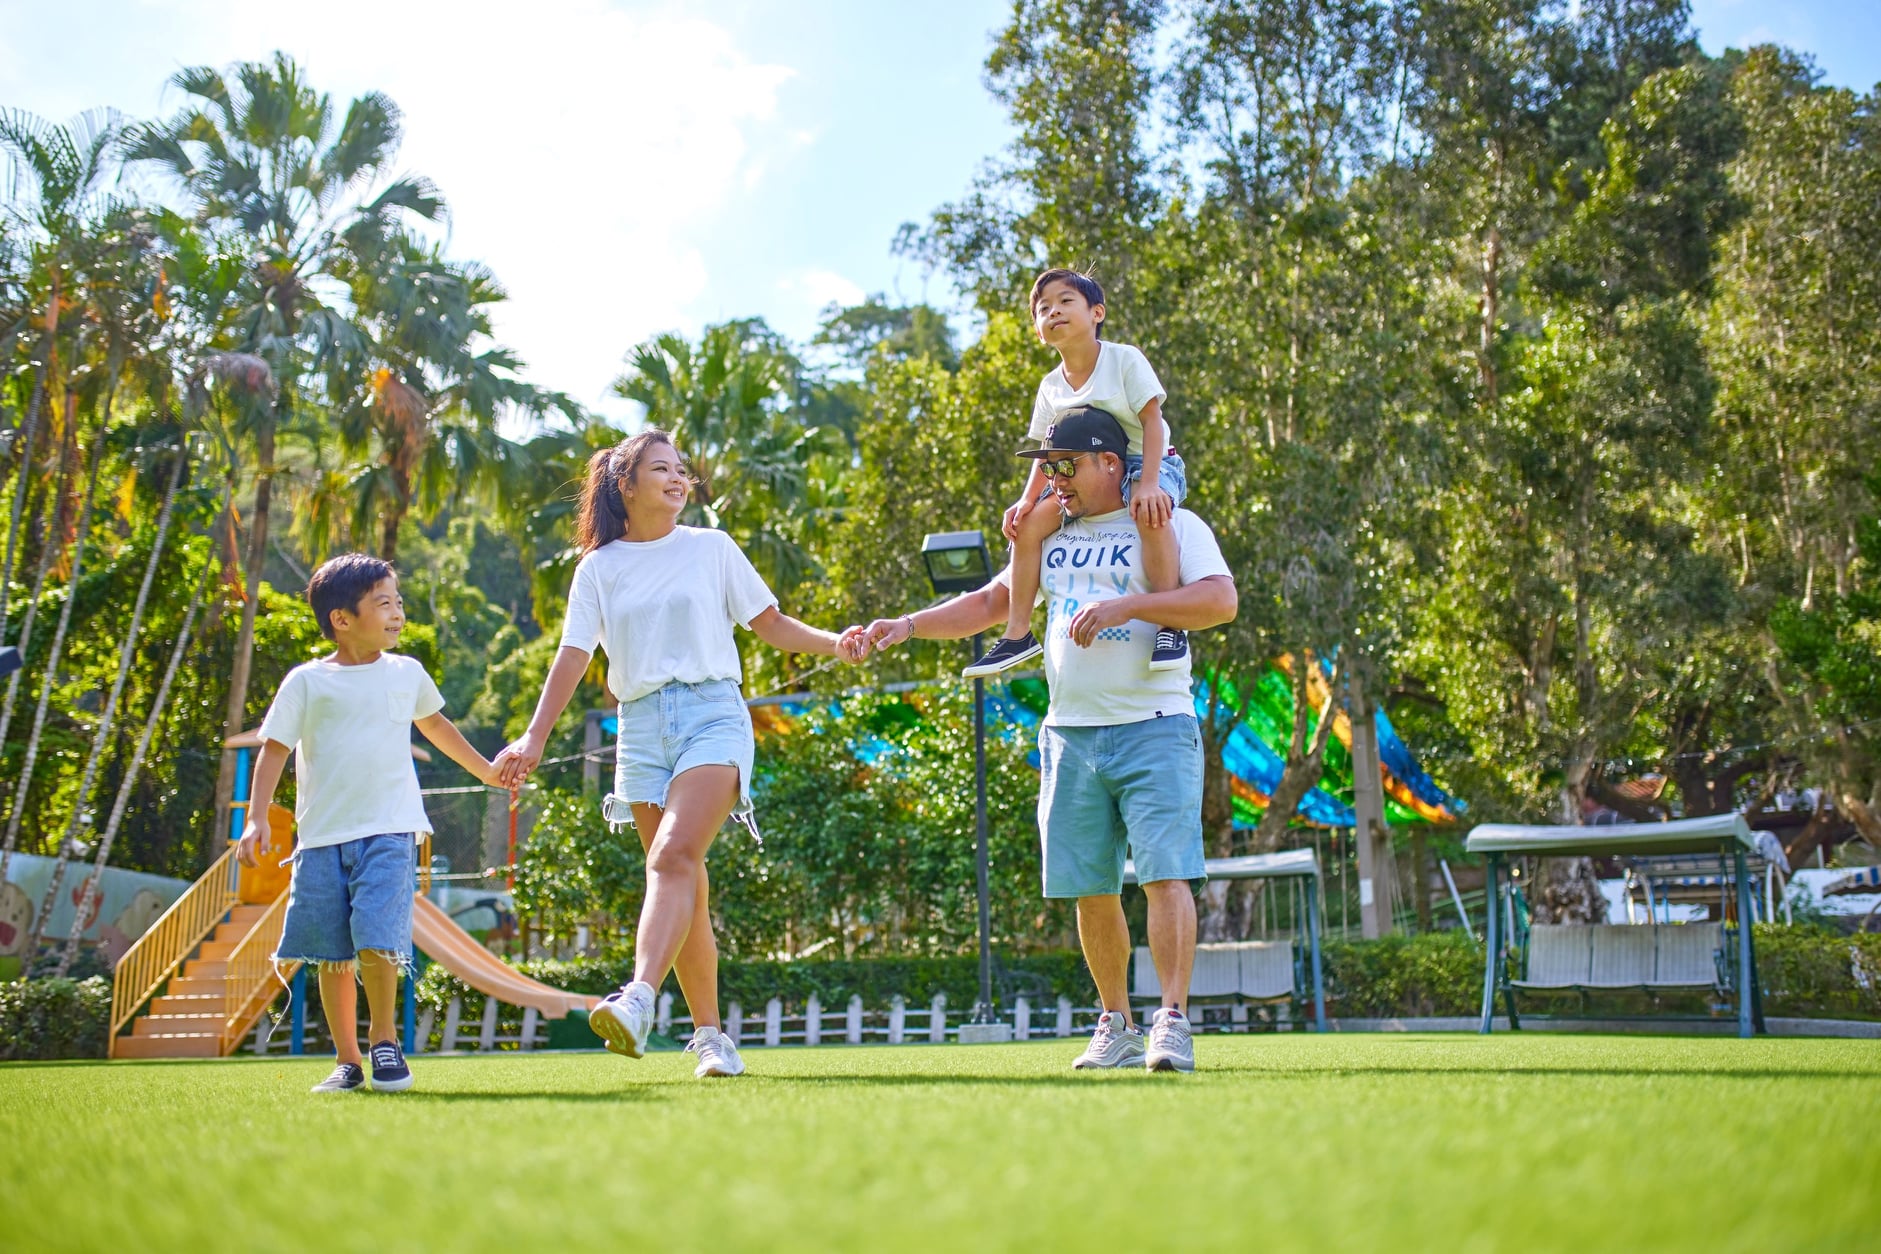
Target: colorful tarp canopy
[(1253, 754)]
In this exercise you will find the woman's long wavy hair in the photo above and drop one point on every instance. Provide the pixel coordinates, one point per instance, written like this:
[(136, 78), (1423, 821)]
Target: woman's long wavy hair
[(601, 514)]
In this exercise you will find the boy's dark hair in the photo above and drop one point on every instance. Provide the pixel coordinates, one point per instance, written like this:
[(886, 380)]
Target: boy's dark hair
[(1084, 284), (342, 583)]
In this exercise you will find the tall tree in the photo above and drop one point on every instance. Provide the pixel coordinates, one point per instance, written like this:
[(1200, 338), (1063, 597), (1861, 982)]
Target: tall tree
[(261, 152)]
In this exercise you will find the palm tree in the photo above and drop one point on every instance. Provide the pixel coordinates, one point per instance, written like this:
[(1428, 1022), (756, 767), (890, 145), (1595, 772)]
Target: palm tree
[(419, 415), (57, 177), (733, 405), (260, 152)]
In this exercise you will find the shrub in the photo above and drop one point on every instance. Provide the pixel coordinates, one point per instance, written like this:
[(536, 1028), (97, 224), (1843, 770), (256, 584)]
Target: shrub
[(1819, 973), (1439, 973), (42, 1020)]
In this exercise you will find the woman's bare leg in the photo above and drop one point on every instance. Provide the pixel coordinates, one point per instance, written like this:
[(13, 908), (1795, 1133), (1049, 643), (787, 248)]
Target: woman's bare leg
[(697, 964), (697, 804)]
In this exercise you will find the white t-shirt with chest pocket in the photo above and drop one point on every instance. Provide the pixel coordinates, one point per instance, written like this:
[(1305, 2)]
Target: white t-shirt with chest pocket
[(350, 729)]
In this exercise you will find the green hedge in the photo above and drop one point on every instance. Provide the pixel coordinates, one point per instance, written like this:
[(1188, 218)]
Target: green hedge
[(1399, 977), (48, 1019), (1818, 973)]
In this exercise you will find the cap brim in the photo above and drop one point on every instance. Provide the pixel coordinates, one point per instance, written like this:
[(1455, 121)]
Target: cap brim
[(1046, 452)]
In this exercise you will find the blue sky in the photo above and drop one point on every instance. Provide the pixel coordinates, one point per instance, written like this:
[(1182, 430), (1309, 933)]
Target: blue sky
[(631, 167)]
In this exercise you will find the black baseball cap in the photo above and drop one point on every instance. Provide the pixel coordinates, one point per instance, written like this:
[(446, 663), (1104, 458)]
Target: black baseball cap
[(1085, 429)]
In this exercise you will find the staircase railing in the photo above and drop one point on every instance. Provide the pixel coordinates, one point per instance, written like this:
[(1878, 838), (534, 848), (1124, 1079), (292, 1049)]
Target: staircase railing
[(251, 982), (155, 956)]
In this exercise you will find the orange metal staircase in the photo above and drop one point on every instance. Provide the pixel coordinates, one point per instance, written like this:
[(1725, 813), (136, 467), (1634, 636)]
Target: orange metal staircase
[(193, 985)]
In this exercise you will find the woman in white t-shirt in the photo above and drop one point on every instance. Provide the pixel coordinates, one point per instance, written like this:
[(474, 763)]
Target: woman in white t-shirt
[(662, 600)]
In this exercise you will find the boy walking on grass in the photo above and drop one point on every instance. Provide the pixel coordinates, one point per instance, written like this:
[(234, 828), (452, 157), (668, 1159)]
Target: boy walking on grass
[(347, 719), (1068, 315)]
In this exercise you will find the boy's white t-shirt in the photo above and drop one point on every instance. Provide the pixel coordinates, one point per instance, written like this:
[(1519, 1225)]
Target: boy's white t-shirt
[(1121, 384), (350, 729), (1110, 682), (663, 609)]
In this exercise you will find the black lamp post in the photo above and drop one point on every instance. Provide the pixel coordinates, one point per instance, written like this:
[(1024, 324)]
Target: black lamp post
[(957, 561)]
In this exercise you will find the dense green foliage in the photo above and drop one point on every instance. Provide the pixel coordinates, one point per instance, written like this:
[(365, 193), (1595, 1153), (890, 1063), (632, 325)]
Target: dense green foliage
[(51, 1019), (1523, 355)]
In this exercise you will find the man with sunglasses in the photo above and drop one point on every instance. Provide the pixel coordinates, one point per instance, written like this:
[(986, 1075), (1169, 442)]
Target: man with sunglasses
[(1120, 753)]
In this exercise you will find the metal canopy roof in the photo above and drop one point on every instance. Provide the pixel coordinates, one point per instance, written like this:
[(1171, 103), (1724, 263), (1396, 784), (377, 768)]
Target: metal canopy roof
[(1254, 866), (1700, 835)]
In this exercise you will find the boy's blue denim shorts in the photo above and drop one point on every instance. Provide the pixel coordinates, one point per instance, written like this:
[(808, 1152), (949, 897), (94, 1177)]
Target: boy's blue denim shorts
[(1173, 477), (670, 731), (351, 896), (1104, 789)]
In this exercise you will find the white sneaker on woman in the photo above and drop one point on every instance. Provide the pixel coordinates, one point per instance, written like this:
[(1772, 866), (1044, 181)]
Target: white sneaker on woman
[(625, 1019), (717, 1054), (1170, 1046), (1114, 1044)]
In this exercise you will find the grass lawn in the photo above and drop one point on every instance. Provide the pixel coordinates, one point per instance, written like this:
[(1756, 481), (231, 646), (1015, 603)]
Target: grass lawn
[(1448, 1143)]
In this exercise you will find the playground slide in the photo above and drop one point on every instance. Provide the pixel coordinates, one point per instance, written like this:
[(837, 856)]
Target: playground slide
[(460, 953)]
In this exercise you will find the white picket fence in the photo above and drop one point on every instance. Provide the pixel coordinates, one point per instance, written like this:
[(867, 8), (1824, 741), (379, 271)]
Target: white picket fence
[(899, 1023)]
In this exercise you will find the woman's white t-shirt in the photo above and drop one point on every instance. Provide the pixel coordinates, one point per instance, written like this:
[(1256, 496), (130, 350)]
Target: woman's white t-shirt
[(1121, 384), (663, 609), (350, 730)]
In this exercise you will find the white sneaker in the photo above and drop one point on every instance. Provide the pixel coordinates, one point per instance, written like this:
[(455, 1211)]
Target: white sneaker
[(625, 1019), (717, 1054), (1170, 1048), (1114, 1044)]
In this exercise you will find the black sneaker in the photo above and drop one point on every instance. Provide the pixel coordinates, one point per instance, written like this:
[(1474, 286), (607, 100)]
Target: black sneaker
[(1172, 649), (1004, 655), (389, 1072), (345, 1078)]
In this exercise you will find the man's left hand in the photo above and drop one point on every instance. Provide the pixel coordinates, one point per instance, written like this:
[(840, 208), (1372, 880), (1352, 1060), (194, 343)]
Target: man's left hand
[(1093, 618)]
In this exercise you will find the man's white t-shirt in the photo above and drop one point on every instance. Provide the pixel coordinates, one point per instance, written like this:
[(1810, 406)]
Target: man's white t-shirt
[(663, 609), (1100, 559), (350, 729), (1121, 384)]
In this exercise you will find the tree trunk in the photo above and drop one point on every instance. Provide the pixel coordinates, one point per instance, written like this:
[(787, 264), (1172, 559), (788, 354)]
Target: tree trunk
[(107, 720), (125, 786), (31, 430), (1305, 763), (61, 485), (22, 790), (236, 713), (1378, 865)]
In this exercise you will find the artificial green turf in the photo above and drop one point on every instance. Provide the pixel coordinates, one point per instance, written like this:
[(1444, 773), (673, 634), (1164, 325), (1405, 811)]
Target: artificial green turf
[(1451, 1143)]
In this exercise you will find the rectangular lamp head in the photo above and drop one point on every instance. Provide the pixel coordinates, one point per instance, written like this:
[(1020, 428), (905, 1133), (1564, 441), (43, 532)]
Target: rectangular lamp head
[(10, 661), (957, 561)]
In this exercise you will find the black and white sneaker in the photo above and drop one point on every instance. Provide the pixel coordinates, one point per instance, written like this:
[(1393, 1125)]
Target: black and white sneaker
[(345, 1078), (1004, 655), (389, 1072), (1172, 649)]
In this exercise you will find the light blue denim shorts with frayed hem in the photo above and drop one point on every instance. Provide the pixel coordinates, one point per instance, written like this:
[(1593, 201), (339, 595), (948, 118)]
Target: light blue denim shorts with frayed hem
[(670, 731), (349, 897), (1172, 476)]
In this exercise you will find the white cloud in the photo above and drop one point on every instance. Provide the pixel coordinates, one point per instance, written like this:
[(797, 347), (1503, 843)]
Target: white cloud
[(805, 294), (583, 148)]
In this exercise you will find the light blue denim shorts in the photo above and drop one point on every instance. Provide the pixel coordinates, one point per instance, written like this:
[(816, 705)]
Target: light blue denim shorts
[(673, 729), (1173, 477), (1102, 790), (351, 896)]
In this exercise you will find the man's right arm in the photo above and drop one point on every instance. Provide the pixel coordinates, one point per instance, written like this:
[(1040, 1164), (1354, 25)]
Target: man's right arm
[(951, 620)]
